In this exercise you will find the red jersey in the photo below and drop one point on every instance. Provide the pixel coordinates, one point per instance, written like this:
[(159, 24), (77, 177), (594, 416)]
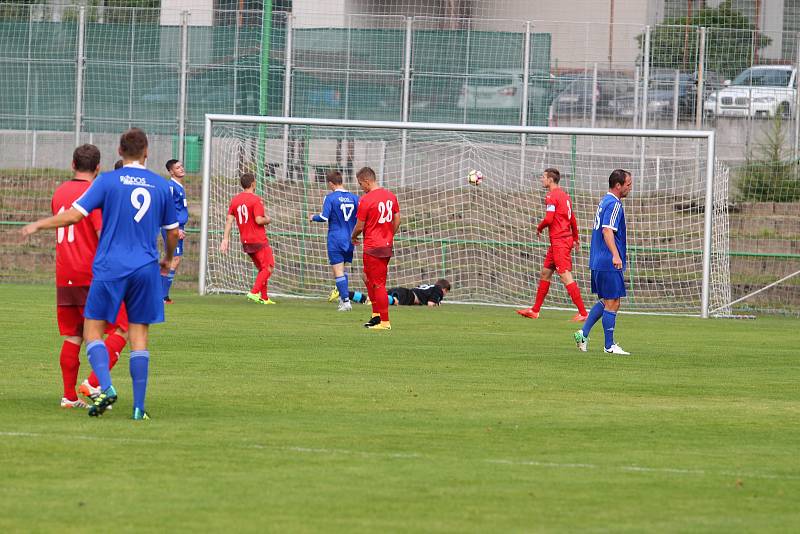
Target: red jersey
[(245, 207), (377, 209), (560, 218), (76, 244)]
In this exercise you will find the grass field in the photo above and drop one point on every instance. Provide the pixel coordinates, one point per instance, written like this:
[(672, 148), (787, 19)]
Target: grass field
[(293, 418)]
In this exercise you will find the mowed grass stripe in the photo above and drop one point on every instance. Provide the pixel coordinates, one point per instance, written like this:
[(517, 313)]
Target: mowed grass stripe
[(463, 418)]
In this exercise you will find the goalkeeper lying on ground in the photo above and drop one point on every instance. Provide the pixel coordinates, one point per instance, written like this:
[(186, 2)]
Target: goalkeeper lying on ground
[(422, 295)]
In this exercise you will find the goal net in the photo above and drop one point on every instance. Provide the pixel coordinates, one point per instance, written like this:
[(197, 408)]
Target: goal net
[(481, 238)]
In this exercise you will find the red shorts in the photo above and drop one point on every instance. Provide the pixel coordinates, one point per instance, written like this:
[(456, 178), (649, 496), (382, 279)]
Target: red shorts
[(376, 269), (70, 321), (558, 258), (263, 258)]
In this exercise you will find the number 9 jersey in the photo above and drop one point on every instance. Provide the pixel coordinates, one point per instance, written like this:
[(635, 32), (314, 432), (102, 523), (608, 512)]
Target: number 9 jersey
[(136, 203)]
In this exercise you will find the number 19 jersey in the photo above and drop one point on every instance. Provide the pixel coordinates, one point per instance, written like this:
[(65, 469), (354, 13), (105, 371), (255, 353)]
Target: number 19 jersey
[(135, 203), (245, 207)]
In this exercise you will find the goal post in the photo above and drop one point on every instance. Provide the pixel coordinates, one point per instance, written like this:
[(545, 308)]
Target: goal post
[(479, 237)]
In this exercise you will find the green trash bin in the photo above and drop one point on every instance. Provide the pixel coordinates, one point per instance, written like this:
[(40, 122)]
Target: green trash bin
[(192, 152)]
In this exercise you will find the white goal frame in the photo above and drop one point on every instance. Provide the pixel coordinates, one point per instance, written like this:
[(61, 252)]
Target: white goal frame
[(404, 127)]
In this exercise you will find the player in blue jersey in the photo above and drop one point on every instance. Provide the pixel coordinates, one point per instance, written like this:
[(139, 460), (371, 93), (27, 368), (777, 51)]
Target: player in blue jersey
[(607, 260), (176, 175), (136, 204), (339, 211)]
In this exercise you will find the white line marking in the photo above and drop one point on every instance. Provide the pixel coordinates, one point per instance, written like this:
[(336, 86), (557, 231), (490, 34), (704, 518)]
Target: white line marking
[(434, 458)]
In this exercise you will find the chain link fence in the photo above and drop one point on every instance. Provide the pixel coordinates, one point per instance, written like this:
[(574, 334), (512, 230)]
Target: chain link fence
[(91, 74)]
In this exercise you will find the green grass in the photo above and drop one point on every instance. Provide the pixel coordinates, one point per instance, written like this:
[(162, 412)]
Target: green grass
[(293, 418)]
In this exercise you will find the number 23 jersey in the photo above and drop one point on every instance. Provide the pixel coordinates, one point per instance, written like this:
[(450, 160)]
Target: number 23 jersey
[(136, 203), (377, 209)]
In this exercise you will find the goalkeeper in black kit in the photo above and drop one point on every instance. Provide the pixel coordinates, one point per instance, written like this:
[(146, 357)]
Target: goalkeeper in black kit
[(423, 295)]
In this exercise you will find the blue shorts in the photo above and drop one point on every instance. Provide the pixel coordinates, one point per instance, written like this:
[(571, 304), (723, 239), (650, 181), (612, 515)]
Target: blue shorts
[(340, 256), (141, 291), (178, 249), (608, 284)]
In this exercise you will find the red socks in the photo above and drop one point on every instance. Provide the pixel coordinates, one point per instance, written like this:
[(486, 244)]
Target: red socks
[(575, 295), (541, 293), (260, 285), (70, 363), (114, 344)]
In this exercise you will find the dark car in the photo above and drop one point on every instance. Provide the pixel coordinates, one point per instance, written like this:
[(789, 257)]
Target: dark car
[(661, 94), (577, 97)]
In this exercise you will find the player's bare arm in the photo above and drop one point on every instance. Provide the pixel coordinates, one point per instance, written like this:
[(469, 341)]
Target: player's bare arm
[(263, 221), (359, 228), (65, 218), (395, 223), (172, 242), (223, 247), (608, 237)]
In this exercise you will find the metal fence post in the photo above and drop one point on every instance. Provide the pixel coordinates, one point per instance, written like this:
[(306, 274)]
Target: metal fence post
[(130, 74), (796, 152), (287, 93), (81, 60), (595, 91), (701, 69), (526, 74), (183, 75), (28, 74), (646, 78), (406, 98)]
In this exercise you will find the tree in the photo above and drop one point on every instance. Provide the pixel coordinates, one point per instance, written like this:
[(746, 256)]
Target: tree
[(770, 176), (731, 40)]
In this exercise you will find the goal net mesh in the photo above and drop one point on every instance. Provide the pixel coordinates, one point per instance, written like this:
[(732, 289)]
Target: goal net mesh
[(481, 238)]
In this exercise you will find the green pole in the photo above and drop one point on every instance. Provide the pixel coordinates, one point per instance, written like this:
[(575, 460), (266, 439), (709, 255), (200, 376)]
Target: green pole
[(263, 95), (306, 185)]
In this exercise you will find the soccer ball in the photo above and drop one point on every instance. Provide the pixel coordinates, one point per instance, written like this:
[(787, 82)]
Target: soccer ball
[(475, 177)]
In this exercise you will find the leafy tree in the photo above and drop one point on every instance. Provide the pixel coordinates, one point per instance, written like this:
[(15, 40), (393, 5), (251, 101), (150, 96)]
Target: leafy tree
[(730, 41)]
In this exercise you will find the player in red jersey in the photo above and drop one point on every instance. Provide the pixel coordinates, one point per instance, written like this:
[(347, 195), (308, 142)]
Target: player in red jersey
[(75, 249), (378, 218), (247, 209), (563, 229)]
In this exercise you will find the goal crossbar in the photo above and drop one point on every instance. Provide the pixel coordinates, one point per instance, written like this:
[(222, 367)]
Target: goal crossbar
[(404, 127)]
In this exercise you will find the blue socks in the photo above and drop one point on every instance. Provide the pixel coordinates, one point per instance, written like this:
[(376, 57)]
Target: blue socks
[(139, 364), (98, 359), (609, 321), (594, 315), (166, 282), (392, 299), (359, 297), (341, 285)]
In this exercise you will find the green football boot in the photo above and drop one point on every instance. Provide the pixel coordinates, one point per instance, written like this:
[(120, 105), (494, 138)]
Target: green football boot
[(103, 402), (140, 415)]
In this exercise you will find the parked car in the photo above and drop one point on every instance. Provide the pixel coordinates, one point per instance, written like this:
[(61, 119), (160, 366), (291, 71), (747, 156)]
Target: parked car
[(760, 91), (661, 94), (501, 89), (577, 97)]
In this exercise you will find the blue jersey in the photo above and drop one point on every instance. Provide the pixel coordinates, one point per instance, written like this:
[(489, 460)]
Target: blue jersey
[(609, 215), (179, 197), (135, 203), (339, 210)]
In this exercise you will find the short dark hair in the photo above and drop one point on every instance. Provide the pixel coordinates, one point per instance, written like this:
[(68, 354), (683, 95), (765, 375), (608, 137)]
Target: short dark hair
[(443, 283), (133, 143), (86, 158), (366, 173), (334, 177), (171, 163), (247, 180), (118, 164), (553, 174), (618, 176)]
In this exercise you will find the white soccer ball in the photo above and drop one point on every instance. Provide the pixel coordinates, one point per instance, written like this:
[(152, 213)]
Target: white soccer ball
[(475, 177)]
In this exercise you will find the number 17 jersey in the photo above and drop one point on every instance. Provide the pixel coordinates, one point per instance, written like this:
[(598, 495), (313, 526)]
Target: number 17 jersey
[(339, 209), (136, 203)]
